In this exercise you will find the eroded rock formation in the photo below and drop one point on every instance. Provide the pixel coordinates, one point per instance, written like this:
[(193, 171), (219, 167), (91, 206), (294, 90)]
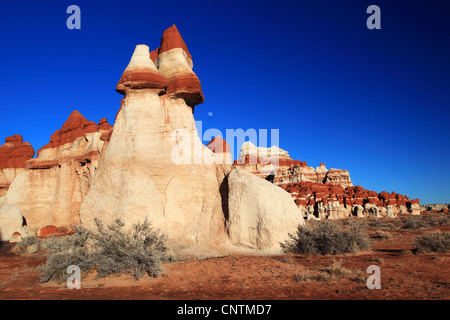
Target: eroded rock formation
[(51, 187), (155, 166), (252, 203), (326, 201), (321, 193), (13, 155), (222, 149), (174, 62), (152, 165), (277, 162)]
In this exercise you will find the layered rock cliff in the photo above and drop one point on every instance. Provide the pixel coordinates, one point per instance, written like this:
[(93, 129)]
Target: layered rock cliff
[(174, 62), (321, 193), (151, 165), (155, 166), (51, 187), (276, 164), (222, 149), (13, 155)]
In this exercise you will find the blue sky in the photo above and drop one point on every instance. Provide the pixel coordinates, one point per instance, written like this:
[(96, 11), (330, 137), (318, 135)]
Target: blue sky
[(374, 102)]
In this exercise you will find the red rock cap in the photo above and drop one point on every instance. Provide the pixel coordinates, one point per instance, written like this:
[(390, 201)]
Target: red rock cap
[(103, 124), (141, 73), (181, 83), (172, 39), (219, 145), (14, 153), (154, 55), (76, 126)]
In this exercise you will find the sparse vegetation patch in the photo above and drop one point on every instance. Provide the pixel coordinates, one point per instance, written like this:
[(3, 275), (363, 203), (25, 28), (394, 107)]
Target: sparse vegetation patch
[(414, 223), (327, 237), (432, 242), (108, 251)]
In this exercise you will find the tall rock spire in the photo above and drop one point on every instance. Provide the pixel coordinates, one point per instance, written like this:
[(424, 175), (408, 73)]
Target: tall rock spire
[(171, 39), (141, 73), (174, 62), (75, 126)]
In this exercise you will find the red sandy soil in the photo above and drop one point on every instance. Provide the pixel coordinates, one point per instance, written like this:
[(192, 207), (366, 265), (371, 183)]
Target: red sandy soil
[(404, 276)]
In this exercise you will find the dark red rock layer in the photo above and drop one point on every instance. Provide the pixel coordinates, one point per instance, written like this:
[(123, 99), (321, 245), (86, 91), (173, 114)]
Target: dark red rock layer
[(172, 39), (134, 78), (76, 126), (309, 187), (183, 84), (310, 193), (154, 55), (14, 153), (188, 87), (282, 162), (104, 125), (219, 145), (53, 231)]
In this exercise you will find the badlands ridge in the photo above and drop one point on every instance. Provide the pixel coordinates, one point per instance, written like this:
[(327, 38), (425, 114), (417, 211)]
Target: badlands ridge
[(141, 169)]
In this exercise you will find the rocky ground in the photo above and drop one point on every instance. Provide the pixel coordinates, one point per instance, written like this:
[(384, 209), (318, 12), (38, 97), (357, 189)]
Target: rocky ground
[(404, 275)]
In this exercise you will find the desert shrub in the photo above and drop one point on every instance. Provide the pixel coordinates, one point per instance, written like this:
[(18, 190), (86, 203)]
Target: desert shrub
[(354, 223), (432, 242), (414, 223), (375, 223), (29, 245), (382, 235), (382, 224), (434, 220), (443, 221), (327, 237), (108, 251)]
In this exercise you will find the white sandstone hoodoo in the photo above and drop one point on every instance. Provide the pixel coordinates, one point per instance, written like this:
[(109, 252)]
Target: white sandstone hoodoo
[(152, 165), (155, 167)]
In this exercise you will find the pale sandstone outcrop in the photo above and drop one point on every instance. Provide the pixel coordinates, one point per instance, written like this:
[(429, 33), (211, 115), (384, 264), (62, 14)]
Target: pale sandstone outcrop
[(155, 167), (52, 186), (11, 221), (141, 73), (338, 177), (174, 62), (152, 165), (321, 172), (274, 152), (138, 178), (274, 161), (414, 207), (221, 149), (7, 176), (259, 214), (13, 155)]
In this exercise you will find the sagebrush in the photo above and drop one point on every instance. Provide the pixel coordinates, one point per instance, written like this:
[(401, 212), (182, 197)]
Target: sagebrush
[(433, 242), (414, 223), (29, 245), (108, 251), (327, 237)]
